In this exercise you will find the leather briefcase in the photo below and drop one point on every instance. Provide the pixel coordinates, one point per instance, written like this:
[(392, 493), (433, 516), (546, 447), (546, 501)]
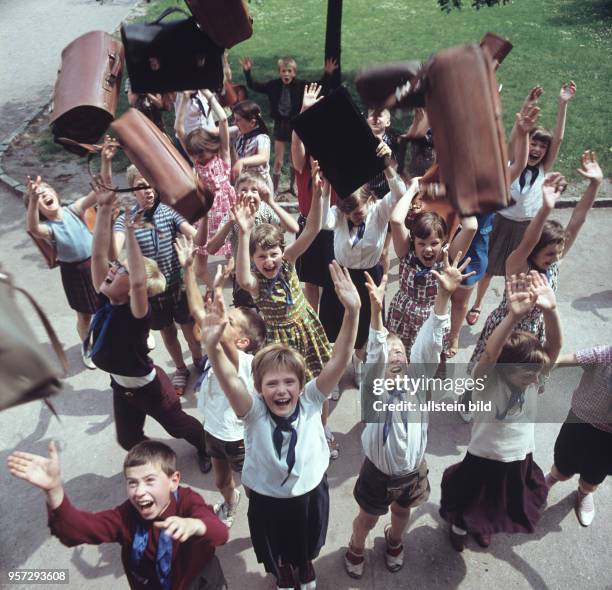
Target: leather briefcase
[(87, 89), (226, 22), (47, 249), (497, 46), (465, 116), (172, 55), (162, 166)]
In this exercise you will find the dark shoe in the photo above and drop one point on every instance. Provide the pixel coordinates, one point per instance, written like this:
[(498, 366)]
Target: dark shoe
[(285, 579), (457, 541), (483, 540), (204, 462), (307, 573)]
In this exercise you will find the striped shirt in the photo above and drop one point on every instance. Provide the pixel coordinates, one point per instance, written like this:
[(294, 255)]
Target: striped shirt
[(158, 242)]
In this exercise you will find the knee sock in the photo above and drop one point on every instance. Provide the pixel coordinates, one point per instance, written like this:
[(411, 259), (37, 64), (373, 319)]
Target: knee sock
[(275, 182)]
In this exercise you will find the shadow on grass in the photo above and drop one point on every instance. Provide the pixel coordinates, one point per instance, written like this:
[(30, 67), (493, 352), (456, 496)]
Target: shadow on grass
[(595, 13)]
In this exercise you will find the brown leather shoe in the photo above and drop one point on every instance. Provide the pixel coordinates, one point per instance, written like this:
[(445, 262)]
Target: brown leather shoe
[(482, 540), (457, 541)]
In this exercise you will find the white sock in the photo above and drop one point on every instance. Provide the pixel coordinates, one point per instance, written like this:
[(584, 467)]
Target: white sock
[(458, 531)]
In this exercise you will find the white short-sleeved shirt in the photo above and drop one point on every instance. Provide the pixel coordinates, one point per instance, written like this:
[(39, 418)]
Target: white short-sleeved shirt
[(220, 419), (194, 117), (404, 449), (529, 200), (263, 470)]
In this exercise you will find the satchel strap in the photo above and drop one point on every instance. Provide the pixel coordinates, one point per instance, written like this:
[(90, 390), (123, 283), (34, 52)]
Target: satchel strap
[(167, 12)]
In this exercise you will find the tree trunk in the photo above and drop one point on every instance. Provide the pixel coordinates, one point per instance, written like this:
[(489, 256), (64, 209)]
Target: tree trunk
[(332, 38)]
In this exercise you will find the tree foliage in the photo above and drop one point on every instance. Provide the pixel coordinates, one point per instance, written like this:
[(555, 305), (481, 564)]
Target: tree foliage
[(448, 5)]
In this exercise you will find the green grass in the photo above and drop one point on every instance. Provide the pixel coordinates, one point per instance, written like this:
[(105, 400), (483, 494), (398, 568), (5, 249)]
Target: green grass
[(554, 41)]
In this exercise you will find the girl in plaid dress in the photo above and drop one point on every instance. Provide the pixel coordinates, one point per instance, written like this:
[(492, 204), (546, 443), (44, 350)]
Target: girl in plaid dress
[(210, 154), (419, 247)]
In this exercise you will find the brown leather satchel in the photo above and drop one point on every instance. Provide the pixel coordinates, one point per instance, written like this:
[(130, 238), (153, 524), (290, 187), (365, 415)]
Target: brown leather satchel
[(497, 46), (465, 117), (162, 166), (87, 89), (47, 249), (226, 22)]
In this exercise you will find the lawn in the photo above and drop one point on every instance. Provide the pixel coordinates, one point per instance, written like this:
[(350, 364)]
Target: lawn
[(554, 41)]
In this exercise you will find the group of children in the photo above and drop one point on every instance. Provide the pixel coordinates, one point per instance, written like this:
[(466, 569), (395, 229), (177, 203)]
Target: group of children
[(268, 366)]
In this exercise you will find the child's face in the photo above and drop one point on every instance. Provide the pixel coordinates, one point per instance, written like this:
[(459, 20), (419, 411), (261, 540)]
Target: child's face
[(379, 122), (250, 191), (244, 125), (149, 489), (359, 214), (396, 356), (233, 334), (268, 262), (281, 391), (428, 249), (144, 196), (537, 151), (522, 377), (48, 202), (116, 285), (546, 256), (286, 73)]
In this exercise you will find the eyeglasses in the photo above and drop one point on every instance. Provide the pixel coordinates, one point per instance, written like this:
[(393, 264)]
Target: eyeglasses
[(118, 267)]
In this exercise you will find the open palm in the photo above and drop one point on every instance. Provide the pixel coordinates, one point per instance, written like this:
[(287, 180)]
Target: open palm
[(42, 472)]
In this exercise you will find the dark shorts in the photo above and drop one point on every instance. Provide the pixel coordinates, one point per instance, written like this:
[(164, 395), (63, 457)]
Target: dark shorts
[(230, 451), (282, 130), (168, 307), (78, 286), (581, 448), (313, 265), (375, 491)]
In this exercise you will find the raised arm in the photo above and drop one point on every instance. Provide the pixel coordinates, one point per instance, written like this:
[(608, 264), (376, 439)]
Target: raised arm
[(139, 301), (377, 296), (245, 218), (185, 250), (530, 101), (462, 240), (565, 95), (179, 117), (298, 150), (102, 233), (592, 172), (552, 188), (287, 222), (219, 238), (343, 348), (247, 65), (224, 136), (33, 225), (547, 302), (525, 122), (399, 231)]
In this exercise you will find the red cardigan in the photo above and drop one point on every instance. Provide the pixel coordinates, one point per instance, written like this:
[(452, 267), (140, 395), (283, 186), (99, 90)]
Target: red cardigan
[(74, 527)]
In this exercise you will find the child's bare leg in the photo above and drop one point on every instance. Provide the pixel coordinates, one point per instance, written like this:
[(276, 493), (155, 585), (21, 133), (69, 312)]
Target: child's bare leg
[(399, 523), (173, 346), (586, 488), (194, 345), (279, 158), (83, 320), (224, 479), (459, 306), (483, 285), (311, 292), (362, 525)]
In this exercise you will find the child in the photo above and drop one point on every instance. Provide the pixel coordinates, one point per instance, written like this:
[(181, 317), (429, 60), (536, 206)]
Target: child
[(64, 227), (526, 190), (285, 95), (156, 241), (118, 336), (419, 248), (584, 442), (380, 123), (394, 472), (210, 154), (244, 334), (286, 453), (167, 532), (252, 143), (360, 227), (252, 191), (543, 245), (191, 114), (498, 487)]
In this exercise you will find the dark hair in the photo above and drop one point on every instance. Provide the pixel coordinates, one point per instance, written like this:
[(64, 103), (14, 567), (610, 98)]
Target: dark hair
[(359, 197), (553, 233), (249, 110), (426, 223), (541, 134), (150, 451), (266, 236), (523, 348), (254, 328)]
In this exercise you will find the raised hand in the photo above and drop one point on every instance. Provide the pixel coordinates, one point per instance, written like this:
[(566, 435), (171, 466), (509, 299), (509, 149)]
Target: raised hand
[(376, 292), (527, 119), (264, 192), (185, 250), (589, 168), (330, 66), (213, 324), (567, 91), (33, 187), (181, 529), (546, 298), (553, 186), (244, 214), (223, 273), (383, 150), (42, 472), (345, 289), (311, 95), (532, 98), (521, 296), (237, 169), (246, 63), (109, 148), (452, 274), (104, 196)]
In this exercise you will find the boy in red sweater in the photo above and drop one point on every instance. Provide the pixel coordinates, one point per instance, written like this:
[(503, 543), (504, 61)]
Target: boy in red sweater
[(168, 534)]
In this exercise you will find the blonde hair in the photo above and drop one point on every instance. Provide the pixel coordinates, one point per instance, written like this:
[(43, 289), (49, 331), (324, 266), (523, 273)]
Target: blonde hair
[(278, 357), (156, 281), (250, 177), (288, 62), (132, 173), (266, 236)]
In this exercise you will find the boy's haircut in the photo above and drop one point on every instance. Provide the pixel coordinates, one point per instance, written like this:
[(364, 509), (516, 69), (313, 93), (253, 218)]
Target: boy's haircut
[(385, 113), (427, 223), (249, 110), (542, 134), (251, 177), (395, 338), (253, 327), (553, 233), (359, 197), (201, 140), (288, 62), (132, 173), (156, 281), (26, 199), (266, 236), (523, 348), (151, 451), (278, 357)]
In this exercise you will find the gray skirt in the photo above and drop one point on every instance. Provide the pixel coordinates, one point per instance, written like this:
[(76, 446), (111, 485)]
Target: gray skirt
[(505, 238)]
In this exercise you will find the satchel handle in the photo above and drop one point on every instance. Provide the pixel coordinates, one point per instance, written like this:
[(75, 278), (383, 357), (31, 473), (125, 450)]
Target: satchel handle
[(115, 64), (169, 11)]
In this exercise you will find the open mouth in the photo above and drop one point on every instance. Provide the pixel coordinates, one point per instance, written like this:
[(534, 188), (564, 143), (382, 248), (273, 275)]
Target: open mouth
[(48, 201), (429, 259), (282, 403)]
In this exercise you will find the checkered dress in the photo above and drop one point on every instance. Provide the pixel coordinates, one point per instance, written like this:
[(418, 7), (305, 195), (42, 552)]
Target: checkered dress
[(290, 320), (412, 303)]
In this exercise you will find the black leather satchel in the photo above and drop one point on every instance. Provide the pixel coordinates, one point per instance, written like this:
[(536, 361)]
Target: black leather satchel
[(172, 55)]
